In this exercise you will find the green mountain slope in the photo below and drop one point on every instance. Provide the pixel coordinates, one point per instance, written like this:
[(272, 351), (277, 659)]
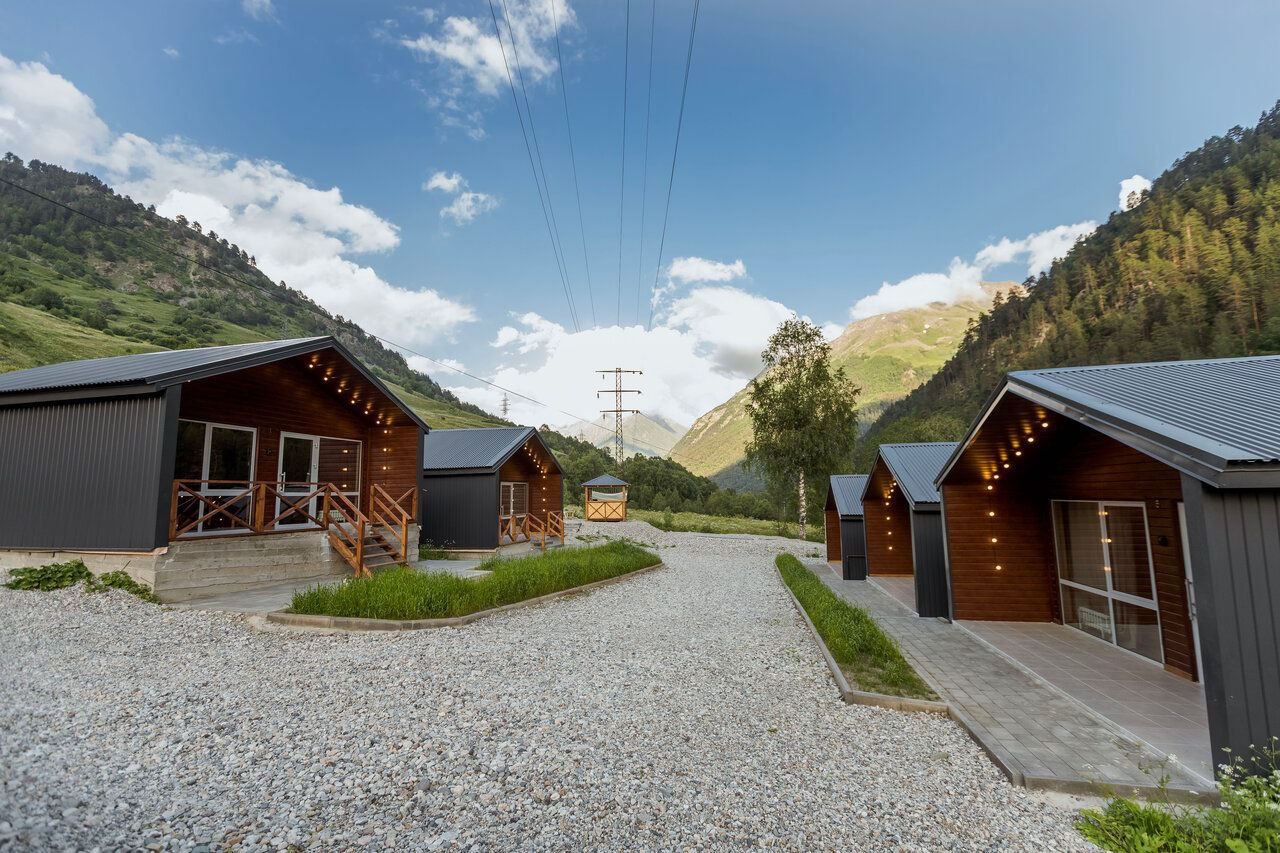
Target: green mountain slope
[(886, 355), (1193, 271), (73, 288)]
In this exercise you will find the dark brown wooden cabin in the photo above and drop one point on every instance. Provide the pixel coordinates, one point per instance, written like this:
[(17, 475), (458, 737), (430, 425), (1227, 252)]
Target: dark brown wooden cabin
[(1139, 504), (133, 452), (845, 527), (490, 486)]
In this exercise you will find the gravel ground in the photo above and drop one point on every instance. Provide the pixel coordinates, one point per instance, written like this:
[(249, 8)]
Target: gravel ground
[(687, 708)]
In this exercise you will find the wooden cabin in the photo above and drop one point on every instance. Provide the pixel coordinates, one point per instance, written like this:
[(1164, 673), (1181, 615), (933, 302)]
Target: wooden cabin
[(904, 521), (488, 487), (845, 531), (160, 462), (605, 499), (1138, 504)]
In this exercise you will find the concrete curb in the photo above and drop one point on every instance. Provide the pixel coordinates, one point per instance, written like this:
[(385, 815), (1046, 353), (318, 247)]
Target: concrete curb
[(357, 624), (862, 697)]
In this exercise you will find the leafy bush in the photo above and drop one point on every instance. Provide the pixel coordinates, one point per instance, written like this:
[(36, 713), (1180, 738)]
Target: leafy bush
[(1247, 821), (868, 657), (62, 575), (402, 593), (51, 576)]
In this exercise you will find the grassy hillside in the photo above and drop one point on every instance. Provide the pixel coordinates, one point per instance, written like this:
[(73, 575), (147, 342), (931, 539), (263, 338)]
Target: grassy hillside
[(887, 355), (73, 288), (1192, 271)]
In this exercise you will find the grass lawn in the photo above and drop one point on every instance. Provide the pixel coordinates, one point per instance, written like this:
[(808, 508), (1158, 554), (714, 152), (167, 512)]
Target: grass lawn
[(696, 522), (402, 593), (869, 657)]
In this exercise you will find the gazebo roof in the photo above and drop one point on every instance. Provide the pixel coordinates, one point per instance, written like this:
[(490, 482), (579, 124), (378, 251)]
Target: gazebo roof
[(606, 480)]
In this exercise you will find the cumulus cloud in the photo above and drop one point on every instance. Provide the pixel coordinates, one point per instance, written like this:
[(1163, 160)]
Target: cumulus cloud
[(299, 234), (259, 10), (172, 52), (699, 354), (466, 205), (963, 280), (689, 270), (1131, 190), (470, 59)]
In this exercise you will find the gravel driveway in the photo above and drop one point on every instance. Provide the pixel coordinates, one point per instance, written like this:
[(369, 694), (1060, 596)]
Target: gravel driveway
[(684, 708)]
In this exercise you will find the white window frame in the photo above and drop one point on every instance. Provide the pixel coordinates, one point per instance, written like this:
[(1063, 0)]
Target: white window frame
[(314, 472), (506, 487), (1111, 594), (221, 492)]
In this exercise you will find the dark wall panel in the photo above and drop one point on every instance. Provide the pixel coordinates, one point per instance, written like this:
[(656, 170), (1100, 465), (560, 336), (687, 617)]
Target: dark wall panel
[(1235, 564), (929, 555), (84, 475), (460, 512), (853, 549)]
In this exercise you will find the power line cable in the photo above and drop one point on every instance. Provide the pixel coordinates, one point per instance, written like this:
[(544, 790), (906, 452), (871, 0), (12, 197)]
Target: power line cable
[(573, 162), (551, 233), (274, 295), (622, 188), (644, 180), (675, 151)]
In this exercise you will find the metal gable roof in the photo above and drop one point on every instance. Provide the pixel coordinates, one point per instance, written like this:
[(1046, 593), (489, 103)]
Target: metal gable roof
[(474, 447), (847, 491), (148, 368), (915, 466), (1221, 411), (606, 480)]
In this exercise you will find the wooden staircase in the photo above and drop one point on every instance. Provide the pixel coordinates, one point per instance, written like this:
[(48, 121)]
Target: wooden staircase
[(372, 541)]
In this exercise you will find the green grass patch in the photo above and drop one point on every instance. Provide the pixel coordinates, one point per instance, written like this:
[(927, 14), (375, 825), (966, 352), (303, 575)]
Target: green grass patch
[(696, 522), (1247, 821), (62, 575), (867, 656), (402, 593)]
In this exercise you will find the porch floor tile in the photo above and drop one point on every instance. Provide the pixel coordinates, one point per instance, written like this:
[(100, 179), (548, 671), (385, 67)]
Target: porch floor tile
[(1032, 726), (901, 587), (1158, 707)]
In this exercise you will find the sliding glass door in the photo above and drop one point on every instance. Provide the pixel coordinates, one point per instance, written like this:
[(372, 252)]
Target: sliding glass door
[(307, 462), (216, 461), (1106, 575)]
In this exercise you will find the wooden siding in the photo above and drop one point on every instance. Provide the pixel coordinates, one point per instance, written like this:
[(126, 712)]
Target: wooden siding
[(888, 527), (546, 491), (287, 396), (1038, 464), (831, 520)]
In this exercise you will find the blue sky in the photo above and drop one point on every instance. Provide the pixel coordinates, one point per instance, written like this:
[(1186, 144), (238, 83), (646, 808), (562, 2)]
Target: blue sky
[(830, 147)]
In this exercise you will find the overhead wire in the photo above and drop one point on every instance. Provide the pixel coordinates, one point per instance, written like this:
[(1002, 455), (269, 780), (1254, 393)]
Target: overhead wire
[(675, 151), (573, 161), (544, 199)]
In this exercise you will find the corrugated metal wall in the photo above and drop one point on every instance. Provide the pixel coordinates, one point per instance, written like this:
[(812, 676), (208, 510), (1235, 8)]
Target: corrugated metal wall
[(928, 550), (461, 511), (84, 475), (853, 549), (1235, 563)]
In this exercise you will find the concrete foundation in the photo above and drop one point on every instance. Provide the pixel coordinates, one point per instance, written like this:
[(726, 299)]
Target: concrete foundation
[(215, 566)]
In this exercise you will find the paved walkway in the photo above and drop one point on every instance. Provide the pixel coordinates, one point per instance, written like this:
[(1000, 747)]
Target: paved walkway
[(1039, 736), (901, 587)]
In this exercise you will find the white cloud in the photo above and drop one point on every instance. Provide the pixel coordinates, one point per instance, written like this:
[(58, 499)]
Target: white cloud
[(963, 280), (236, 36), (703, 351), (689, 270), (449, 182), (259, 10), (466, 206), (470, 55), (1128, 187), (172, 52), (299, 234)]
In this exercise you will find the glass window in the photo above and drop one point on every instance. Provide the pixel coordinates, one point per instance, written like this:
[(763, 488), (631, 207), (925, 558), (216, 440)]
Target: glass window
[(1127, 543), (190, 459), (1087, 611), (230, 454), (1138, 630), (1078, 528)]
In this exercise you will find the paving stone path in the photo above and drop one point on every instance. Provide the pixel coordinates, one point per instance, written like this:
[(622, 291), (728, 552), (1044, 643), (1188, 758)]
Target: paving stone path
[(1040, 736)]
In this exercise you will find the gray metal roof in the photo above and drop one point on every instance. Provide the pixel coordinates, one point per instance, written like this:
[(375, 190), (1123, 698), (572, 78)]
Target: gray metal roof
[(606, 480), (847, 490), (915, 466), (150, 368), (475, 448)]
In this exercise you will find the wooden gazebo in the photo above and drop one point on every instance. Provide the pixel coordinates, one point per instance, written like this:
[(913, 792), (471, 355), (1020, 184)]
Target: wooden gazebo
[(605, 499)]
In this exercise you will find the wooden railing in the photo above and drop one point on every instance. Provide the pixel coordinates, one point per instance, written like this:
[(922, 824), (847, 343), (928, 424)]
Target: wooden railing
[(528, 527), (230, 507)]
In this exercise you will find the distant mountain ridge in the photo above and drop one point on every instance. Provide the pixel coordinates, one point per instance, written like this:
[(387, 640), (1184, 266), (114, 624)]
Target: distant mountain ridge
[(886, 355), (646, 434)]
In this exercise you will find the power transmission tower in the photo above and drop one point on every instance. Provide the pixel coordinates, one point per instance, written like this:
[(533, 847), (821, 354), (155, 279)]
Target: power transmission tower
[(506, 404), (617, 411)]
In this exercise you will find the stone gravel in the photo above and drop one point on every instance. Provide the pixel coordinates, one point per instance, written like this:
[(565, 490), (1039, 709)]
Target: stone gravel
[(685, 708)]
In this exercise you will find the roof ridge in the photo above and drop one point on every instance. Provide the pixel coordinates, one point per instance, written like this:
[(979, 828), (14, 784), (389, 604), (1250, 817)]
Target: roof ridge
[(1082, 368)]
